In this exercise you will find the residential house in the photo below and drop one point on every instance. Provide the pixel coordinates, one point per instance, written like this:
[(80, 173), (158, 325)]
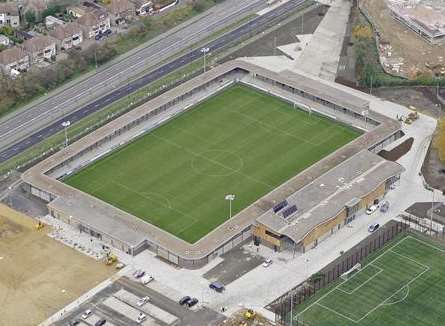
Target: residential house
[(4, 40), (95, 22), (68, 35), (121, 10), (40, 48), (143, 7), (14, 60), (77, 11), (9, 14)]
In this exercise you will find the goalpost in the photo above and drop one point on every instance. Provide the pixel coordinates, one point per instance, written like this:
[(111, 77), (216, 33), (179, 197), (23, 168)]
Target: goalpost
[(348, 274)]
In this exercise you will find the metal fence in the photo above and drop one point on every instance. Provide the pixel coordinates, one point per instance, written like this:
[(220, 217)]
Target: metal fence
[(287, 305)]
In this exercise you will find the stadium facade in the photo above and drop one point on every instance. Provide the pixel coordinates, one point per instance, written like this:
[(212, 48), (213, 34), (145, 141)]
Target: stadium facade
[(320, 200)]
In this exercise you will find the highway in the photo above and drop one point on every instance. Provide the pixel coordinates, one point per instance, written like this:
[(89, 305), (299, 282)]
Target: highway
[(126, 67), (257, 24)]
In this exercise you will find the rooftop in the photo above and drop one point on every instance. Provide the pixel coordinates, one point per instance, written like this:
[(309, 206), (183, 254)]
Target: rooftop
[(63, 31), (9, 8), (38, 43), (12, 55)]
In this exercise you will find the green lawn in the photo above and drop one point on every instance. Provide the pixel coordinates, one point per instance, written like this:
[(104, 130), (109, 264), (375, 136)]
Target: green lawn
[(240, 141), (403, 285)]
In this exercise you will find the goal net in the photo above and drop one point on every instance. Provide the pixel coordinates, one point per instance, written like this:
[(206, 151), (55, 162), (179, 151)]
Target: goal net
[(354, 269)]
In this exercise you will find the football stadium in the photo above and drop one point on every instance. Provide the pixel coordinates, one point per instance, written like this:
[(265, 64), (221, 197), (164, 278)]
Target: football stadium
[(235, 154)]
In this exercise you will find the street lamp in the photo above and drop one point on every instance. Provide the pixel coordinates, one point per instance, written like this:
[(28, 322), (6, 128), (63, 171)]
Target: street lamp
[(204, 52), (65, 125), (365, 113), (230, 198)]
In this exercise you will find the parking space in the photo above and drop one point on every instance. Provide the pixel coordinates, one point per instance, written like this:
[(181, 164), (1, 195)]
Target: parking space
[(236, 263), (120, 304)]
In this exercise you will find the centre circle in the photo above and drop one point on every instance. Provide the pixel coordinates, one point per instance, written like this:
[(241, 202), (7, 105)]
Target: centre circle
[(217, 163)]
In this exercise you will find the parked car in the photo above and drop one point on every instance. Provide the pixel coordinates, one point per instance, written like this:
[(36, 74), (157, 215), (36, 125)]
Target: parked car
[(371, 209), (139, 273), (74, 322), (98, 37), (100, 322), (146, 279), (86, 314), (107, 32), (141, 318), (217, 286), (184, 300), (267, 262), (373, 227), (142, 301), (192, 302), (384, 206)]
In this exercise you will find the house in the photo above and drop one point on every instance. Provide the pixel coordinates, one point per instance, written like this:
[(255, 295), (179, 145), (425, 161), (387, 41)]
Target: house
[(95, 22), (9, 14), (4, 40), (68, 35), (14, 60), (40, 48), (121, 10), (143, 7), (77, 11)]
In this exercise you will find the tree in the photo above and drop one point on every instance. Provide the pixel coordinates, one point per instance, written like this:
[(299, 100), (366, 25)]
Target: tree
[(30, 17)]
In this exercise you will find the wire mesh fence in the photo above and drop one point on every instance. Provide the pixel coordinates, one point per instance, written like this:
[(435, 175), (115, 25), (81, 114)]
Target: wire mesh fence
[(288, 304)]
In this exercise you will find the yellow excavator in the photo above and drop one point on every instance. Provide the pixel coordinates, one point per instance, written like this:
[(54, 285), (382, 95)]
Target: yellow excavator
[(110, 259), (39, 226)]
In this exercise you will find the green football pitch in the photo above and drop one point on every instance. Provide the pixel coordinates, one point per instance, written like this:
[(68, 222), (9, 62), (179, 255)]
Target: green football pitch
[(403, 285), (240, 141)]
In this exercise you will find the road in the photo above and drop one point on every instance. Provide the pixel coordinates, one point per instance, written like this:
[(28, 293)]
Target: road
[(257, 24), (111, 76)]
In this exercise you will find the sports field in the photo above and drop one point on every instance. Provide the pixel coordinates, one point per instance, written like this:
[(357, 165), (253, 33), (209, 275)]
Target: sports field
[(403, 285), (240, 141)]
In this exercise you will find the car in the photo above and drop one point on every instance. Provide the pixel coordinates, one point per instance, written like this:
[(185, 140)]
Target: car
[(100, 322), (217, 286), (98, 37), (74, 322), (384, 206), (146, 279), (267, 262), (184, 300), (139, 273), (142, 301), (371, 209), (192, 302), (86, 314), (107, 32), (141, 318), (373, 227)]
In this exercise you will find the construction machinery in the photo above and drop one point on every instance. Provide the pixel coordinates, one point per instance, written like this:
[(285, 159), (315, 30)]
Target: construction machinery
[(39, 226), (110, 259), (249, 314)]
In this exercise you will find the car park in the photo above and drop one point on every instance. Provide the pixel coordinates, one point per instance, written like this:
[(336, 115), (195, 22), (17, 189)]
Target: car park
[(100, 322), (267, 262), (371, 209), (86, 314), (192, 302), (142, 301), (373, 227), (217, 286), (184, 300), (141, 318)]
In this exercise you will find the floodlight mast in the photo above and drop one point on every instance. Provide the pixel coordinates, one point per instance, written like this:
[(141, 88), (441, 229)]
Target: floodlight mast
[(230, 198), (65, 125), (204, 52)]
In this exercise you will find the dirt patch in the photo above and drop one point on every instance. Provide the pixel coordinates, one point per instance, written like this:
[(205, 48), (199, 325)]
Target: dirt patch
[(433, 170), (39, 276), (398, 151), (406, 46)]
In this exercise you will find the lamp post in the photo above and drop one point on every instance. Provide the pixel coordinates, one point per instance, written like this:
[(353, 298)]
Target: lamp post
[(365, 113), (230, 198), (204, 51), (65, 125)]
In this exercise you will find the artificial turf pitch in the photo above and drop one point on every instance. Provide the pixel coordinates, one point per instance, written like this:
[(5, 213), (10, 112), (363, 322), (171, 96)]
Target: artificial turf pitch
[(240, 141), (403, 284)]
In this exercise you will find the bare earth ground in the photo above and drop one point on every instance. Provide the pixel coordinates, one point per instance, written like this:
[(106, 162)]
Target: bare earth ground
[(39, 275), (405, 44), (425, 101)]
